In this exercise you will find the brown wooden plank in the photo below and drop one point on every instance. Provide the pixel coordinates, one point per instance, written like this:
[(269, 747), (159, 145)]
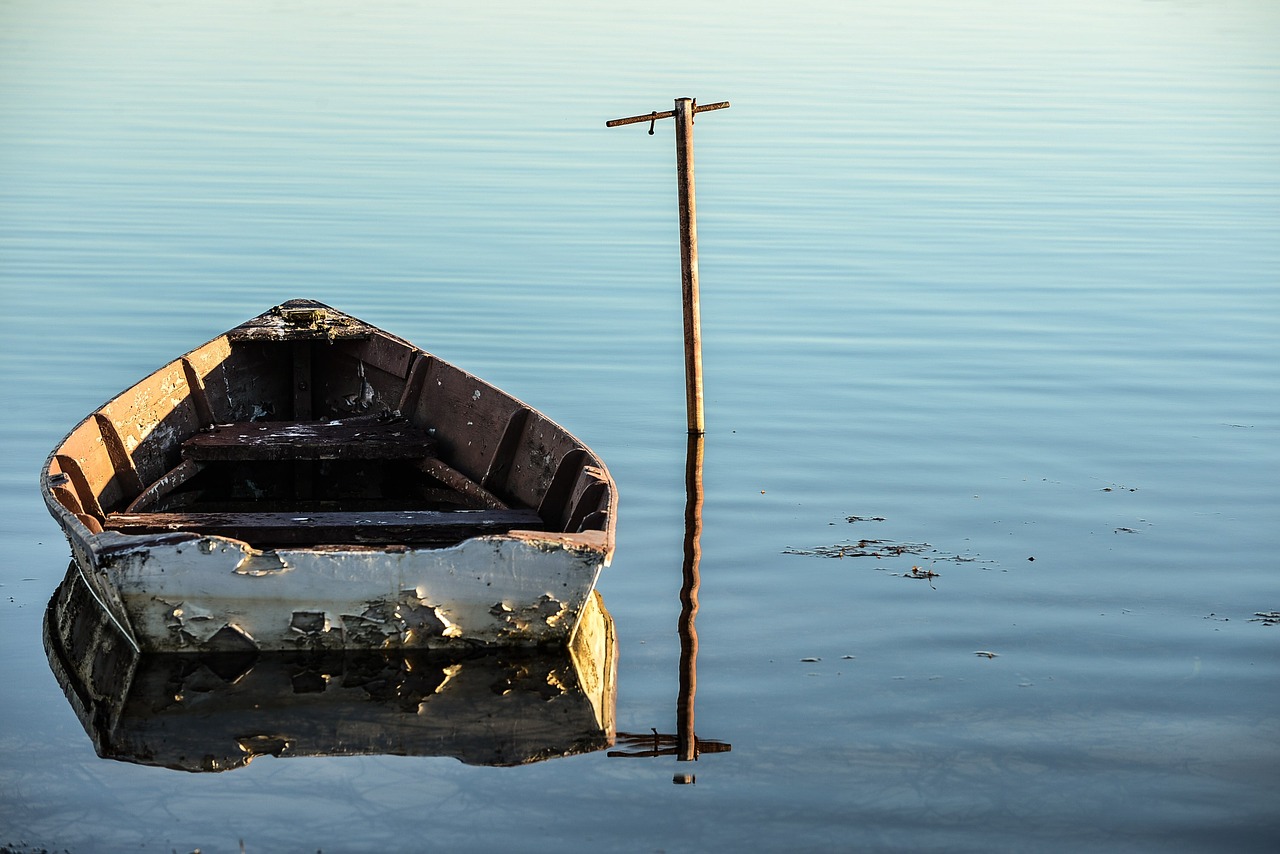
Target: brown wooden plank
[(67, 499), (80, 484), (400, 526), (301, 320), (543, 444), (172, 479), (143, 425), (591, 498), (208, 366), (499, 469), (310, 440), (121, 461), (382, 351), (199, 397), (556, 499), (83, 455), (302, 381), (413, 385), (458, 481), (468, 416)]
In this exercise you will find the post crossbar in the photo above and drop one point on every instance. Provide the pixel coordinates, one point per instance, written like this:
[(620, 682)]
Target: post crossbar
[(648, 117)]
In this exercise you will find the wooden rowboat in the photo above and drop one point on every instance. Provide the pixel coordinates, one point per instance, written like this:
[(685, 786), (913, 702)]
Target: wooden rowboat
[(307, 480)]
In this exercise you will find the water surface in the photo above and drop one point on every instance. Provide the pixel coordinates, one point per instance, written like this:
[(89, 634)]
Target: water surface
[(1003, 277)]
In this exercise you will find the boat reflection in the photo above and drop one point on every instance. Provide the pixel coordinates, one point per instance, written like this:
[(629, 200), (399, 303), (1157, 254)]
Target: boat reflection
[(218, 711)]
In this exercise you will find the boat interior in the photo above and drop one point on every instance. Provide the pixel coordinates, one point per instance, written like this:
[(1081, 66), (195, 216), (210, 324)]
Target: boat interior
[(305, 426)]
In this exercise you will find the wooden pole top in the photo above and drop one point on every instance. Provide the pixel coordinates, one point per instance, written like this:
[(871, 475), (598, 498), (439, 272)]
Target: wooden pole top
[(653, 117)]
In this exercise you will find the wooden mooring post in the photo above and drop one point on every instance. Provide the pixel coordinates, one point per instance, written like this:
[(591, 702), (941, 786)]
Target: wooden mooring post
[(685, 109)]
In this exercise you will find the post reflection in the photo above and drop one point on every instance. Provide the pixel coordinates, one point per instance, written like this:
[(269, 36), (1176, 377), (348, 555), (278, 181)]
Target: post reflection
[(685, 736), (685, 744)]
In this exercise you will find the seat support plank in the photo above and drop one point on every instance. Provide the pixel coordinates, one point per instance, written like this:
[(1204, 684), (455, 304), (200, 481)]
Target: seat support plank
[(310, 440), (401, 526), (172, 479)]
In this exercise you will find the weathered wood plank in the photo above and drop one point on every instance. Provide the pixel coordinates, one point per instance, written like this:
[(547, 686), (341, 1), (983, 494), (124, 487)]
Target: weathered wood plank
[(556, 498), (413, 385), (121, 461), (199, 396), (458, 481), (302, 381), (79, 483), (172, 479), (382, 351), (147, 422), (468, 416), (542, 446), (495, 477), (398, 526), (310, 440), (590, 498), (302, 320)]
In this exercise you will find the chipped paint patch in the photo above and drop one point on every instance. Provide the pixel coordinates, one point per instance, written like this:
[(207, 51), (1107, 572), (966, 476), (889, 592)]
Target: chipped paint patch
[(258, 564), (191, 620), (407, 621), (546, 611), (309, 623), (231, 638), (193, 625), (264, 745)]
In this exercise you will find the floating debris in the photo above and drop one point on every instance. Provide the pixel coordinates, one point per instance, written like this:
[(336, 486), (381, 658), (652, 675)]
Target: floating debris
[(882, 548), (879, 549), (986, 654), (919, 572), (863, 548), (1267, 618)]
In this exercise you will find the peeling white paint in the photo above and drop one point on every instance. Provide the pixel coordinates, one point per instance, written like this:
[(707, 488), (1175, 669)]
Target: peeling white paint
[(258, 564), (310, 623), (175, 597), (196, 623)]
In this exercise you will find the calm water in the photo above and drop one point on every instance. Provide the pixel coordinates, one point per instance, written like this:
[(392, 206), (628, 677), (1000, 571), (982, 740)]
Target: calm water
[(1006, 278)]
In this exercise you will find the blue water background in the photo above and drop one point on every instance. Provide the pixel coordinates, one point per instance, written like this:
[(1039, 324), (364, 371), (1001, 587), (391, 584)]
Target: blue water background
[(1006, 275)]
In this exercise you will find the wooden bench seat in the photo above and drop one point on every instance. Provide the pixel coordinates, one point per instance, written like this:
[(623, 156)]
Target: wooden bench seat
[(353, 439), (409, 527)]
